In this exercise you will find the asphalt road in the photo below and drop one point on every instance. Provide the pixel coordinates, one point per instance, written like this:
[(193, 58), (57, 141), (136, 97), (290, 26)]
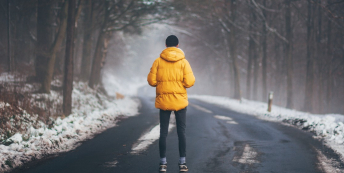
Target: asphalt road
[(218, 140)]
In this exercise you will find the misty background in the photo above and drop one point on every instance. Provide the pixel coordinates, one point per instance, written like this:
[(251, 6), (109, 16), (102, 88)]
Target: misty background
[(236, 48)]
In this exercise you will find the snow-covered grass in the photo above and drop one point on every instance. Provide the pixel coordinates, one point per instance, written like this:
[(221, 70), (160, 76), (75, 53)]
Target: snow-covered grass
[(7, 77), (92, 113), (329, 127)]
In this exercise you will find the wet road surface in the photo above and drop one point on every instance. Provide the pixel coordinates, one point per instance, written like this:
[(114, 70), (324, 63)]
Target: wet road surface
[(218, 140)]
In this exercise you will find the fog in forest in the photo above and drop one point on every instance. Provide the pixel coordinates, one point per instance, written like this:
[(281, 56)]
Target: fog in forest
[(242, 49)]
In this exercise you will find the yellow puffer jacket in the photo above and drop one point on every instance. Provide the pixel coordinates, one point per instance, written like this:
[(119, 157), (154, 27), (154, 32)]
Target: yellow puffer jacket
[(171, 74)]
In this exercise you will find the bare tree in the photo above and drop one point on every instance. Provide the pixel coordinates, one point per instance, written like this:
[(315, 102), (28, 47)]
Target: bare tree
[(308, 106), (97, 58), (320, 54), (288, 56), (119, 15), (44, 37), (233, 51), (264, 47), (329, 65), (9, 36), (87, 44), (49, 67), (230, 27), (68, 72), (251, 47)]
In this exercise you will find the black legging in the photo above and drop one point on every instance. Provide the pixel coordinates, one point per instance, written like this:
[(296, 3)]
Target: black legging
[(181, 125)]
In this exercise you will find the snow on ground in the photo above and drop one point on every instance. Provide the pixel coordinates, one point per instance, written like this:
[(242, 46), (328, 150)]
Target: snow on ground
[(249, 156), (329, 127), (327, 165), (6, 77), (92, 113)]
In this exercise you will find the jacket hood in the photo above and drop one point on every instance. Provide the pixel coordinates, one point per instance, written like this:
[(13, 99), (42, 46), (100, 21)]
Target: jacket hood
[(172, 54)]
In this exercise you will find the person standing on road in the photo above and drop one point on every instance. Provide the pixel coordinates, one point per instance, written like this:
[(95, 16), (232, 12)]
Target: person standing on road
[(171, 74)]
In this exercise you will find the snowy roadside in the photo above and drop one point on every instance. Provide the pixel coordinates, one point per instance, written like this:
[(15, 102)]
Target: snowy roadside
[(93, 113), (329, 127)]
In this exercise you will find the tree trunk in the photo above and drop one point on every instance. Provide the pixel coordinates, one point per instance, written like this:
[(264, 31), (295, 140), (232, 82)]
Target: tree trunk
[(104, 52), (53, 50), (308, 106), (77, 38), (226, 36), (233, 51), (44, 38), (342, 39), (255, 64), (68, 72), (249, 66), (329, 67), (96, 65), (87, 44), (264, 58), (9, 50), (251, 46), (320, 63), (78, 11), (288, 56), (320, 54), (279, 70), (23, 51), (97, 59)]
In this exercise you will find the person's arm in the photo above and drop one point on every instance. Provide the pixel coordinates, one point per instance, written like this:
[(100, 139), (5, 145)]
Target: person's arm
[(151, 78), (188, 78)]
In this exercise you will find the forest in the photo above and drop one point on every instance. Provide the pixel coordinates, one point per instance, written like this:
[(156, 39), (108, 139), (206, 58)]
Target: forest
[(242, 49)]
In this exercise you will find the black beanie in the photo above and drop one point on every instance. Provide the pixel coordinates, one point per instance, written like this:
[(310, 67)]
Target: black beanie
[(171, 41)]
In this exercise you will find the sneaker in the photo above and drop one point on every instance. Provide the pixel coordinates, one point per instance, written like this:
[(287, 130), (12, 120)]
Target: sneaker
[(183, 168), (163, 168)]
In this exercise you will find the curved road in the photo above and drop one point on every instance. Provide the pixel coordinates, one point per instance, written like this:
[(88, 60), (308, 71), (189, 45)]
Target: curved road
[(218, 140)]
